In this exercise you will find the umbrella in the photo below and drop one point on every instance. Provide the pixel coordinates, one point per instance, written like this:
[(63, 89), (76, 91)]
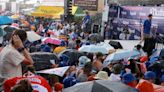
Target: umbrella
[(43, 60), (120, 54), (54, 41), (56, 71), (72, 54), (100, 86), (15, 16), (32, 36), (5, 20), (95, 38), (93, 49), (2, 32), (106, 45)]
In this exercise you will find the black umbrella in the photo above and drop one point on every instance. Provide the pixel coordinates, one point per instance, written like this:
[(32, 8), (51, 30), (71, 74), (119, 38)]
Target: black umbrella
[(100, 86), (73, 55), (9, 30), (43, 60), (96, 38)]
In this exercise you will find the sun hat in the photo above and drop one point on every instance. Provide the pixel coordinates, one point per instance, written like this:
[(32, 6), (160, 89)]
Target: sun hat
[(102, 75), (128, 77), (149, 75), (83, 60)]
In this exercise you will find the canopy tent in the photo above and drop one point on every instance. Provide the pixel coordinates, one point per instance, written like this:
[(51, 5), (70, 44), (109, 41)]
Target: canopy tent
[(77, 11), (48, 11)]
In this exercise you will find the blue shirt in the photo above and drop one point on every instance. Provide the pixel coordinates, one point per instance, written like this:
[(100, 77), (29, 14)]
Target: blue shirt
[(87, 20), (147, 26)]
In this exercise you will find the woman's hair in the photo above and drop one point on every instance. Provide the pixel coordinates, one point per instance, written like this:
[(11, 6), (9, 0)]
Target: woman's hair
[(21, 33), (23, 86)]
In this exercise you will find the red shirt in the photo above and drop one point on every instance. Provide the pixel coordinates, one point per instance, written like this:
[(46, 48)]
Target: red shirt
[(38, 83)]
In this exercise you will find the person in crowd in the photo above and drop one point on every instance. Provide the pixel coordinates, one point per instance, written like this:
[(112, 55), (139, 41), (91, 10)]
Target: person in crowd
[(22, 86), (139, 49), (58, 87), (13, 55), (78, 42), (1, 47), (69, 81), (83, 76), (82, 61), (87, 23), (162, 80), (98, 62), (115, 75), (102, 75), (146, 85), (149, 43), (60, 48)]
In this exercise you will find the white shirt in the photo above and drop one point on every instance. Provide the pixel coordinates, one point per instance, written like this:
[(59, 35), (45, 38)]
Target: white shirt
[(10, 62), (115, 77)]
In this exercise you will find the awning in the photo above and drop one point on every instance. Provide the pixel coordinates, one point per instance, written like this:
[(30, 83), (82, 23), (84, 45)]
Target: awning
[(48, 11), (77, 11)]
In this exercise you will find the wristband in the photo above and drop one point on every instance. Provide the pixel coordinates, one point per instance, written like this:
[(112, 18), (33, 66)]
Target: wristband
[(21, 49)]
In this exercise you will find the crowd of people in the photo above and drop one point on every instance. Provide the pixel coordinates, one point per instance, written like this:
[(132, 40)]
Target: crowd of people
[(141, 72)]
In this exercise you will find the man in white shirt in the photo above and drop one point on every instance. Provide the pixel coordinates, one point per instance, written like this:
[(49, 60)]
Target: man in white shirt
[(13, 55)]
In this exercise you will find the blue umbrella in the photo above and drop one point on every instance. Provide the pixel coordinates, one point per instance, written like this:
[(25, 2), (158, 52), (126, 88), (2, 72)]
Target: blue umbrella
[(119, 55), (5, 20)]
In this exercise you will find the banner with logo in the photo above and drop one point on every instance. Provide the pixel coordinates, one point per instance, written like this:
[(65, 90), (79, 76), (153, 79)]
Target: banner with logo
[(87, 4), (131, 18)]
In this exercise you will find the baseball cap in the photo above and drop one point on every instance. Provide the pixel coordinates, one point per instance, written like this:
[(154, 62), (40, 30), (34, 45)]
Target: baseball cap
[(128, 77), (149, 75)]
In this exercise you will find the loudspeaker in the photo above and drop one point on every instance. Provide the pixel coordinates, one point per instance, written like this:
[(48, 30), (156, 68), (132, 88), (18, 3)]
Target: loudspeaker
[(116, 44)]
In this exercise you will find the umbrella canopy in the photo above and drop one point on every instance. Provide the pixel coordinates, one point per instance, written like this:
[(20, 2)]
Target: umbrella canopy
[(43, 60), (15, 17), (5, 20), (73, 55), (56, 71), (32, 36), (106, 45), (120, 54), (100, 86), (96, 38), (54, 41), (9, 30), (93, 49)]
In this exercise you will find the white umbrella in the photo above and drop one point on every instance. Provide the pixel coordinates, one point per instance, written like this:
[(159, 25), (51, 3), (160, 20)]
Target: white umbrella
[(120, 54), (106, 45), (32, 36), (56, 71), (93, 49)]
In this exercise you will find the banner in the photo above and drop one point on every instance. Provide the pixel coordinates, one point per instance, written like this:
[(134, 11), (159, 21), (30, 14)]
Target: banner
[(52, 2), (87, 4), (131, 18)]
